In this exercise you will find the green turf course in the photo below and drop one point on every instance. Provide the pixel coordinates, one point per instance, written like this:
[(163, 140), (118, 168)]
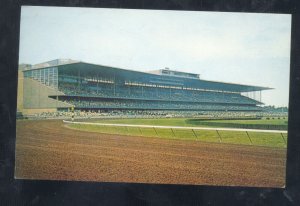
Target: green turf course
[(233, 137), (162, 121), (256, 121), (190, 122)]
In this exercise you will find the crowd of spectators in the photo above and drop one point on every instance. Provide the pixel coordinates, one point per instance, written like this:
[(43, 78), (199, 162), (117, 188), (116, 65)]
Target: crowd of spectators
[(135, 104), (116, 113), (131, 92)]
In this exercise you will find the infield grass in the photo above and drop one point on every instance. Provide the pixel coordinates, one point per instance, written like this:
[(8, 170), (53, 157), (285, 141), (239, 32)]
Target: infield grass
[(233, 137), (193, 122)]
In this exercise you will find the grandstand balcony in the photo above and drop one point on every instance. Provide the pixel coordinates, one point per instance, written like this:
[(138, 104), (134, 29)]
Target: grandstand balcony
[(158, 94)]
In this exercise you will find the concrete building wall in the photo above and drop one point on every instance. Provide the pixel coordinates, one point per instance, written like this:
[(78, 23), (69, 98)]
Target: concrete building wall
[(35, 97)]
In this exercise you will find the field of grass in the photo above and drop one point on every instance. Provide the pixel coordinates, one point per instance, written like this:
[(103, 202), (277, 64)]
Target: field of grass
[(162, 121), (233, 137), (253, 121), (191, 122)]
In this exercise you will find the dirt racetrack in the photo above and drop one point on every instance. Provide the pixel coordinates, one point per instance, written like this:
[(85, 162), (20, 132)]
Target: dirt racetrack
[(46, 149)]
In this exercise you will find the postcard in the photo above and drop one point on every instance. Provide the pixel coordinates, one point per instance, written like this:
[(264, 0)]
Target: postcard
[(153, 96)]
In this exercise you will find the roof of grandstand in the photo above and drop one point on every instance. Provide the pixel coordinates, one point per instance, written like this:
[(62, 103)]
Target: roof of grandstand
[(169, 72), (72, 67)]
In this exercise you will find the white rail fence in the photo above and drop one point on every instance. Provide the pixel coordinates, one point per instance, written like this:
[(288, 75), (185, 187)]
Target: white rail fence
[(193, 129)]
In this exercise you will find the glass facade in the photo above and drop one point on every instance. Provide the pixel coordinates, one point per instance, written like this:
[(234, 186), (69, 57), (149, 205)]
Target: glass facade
[(47, 76)]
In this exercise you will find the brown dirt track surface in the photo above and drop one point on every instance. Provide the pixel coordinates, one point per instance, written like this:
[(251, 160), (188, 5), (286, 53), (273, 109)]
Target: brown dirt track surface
[(46, 149)]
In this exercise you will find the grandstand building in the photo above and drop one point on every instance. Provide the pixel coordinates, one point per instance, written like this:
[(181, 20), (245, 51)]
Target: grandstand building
[(61, 84)]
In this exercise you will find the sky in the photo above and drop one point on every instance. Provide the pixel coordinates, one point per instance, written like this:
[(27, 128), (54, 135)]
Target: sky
[(243, 48)]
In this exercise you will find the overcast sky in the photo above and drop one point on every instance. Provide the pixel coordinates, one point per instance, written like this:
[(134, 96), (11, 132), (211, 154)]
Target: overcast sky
[(230, 47)]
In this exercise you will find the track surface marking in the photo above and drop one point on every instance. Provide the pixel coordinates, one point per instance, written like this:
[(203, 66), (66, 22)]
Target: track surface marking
[(48, 150)]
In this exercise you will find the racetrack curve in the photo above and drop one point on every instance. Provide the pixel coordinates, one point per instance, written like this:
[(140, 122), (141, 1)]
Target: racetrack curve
[(46, 149)]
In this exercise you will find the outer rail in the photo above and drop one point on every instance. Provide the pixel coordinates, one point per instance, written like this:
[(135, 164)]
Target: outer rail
[(177, 127)]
